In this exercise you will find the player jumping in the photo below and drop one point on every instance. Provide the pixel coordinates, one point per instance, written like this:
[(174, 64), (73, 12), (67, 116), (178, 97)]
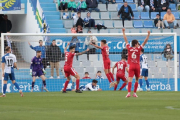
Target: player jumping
[(134, 61), (37, 69), (144, 70), (121, 68), (68, 67), (8, 65), (105, 54)]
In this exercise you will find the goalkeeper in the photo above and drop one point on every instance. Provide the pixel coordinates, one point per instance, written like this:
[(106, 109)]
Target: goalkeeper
[(37, 69)]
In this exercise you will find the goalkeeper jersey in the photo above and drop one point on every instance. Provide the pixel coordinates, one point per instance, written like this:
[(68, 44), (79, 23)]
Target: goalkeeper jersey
[(36, 64)]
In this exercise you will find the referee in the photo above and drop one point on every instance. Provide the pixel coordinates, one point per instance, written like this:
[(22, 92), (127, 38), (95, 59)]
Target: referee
[(43, 51)]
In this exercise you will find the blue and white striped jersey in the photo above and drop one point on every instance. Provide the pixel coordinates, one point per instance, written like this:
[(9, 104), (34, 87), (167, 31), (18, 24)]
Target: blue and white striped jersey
[(143, 61)]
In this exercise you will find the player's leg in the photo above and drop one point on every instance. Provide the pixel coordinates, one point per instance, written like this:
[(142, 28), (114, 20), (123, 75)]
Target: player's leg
[(109, 70), (77, 83), (4, 85), (124, 79), (131, 74), (17, 87), (44, 82), (137, 75), (141, 82), (66, 83), (117, 82), (107, 75), (147, 83), (33, 82)]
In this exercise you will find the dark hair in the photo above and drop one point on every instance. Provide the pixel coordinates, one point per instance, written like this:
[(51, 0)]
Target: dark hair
[(7, 48), (134, 42), (72, 47), (53, 40), (169, 9), (123, 57), (38, 51), (78, 12), (89, 31), (157, 14), (98, 71), (125, 1), (86, 73), (104, 41), (40, 41), (142, 50), (79, 26), (94, 81)]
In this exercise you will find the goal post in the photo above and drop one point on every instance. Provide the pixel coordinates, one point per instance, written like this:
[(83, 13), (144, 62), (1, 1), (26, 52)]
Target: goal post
[(17, 38)]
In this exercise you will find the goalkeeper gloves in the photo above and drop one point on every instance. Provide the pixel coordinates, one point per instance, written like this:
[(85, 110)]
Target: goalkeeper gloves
[(44, 71), (30, 72)]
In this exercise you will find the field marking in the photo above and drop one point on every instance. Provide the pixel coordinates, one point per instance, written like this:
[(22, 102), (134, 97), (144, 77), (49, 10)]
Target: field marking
[(172, 108)]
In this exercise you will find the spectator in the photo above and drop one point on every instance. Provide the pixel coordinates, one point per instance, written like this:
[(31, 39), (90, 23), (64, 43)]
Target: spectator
[(73, 29), (169, 19), (86, 76), (153, 5), (158, 22), (43, 52), (173, 1), (75, 42), (72, 6), (168, 52), (92, 5), (79, 20), (125, 12), (99, 76), (79, 29), (90, 86), (143, 5), (162, 5), (6, 25), (103, 1), (88, 40), (112, 1), (88, 21), (82, 6), (54, 56), (63, 5)]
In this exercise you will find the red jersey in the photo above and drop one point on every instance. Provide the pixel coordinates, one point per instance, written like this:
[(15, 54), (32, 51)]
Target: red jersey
[(69, 59), (121, 67), (86, 78), (105, 53), (133, 54)]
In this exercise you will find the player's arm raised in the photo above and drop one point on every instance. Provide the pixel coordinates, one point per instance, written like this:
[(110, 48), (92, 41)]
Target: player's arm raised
[(82, 52), (146, 39), (124, 36), (96, 46), (65, 49), (113, 68)]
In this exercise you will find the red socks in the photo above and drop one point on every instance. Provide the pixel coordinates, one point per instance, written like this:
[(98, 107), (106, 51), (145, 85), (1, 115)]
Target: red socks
[(65, 85), (77, 84), (108, 77), (129, 86), (135, 87), (123, 85), (115, 87), (112, 77)]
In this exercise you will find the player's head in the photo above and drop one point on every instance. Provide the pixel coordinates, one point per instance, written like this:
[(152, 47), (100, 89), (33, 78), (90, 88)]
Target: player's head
[(8, 49), (94, 82), (79, 14), (135, 43), (168, 46), (103, 42), (72, 48), (123, 57), (98, 73), (86, 74), (40, 42), (54, 42), (38, 53), (142, 51)]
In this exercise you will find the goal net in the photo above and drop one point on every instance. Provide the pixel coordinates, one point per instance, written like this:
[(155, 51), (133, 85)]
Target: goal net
[(163, 69)]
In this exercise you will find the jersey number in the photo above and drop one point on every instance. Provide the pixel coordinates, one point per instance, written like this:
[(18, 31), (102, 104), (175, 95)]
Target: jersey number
[(133, 55), (9, 62), (66, 57), (120, 66)]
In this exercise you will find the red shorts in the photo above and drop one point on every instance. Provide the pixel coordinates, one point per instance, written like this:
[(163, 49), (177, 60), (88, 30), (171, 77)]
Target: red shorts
[(134, 70), (69, 71), (107, 64), (120, 77)]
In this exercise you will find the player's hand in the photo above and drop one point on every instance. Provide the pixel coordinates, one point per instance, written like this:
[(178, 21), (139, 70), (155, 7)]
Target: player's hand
[(68, 43), (2, 74), (44, 71), (99, 89), (123, 29), (30, 73), (87, 49), (149, 32), (17, 68), (29, 43)]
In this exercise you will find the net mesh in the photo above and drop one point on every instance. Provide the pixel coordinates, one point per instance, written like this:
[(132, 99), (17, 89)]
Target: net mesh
[(161, 71)]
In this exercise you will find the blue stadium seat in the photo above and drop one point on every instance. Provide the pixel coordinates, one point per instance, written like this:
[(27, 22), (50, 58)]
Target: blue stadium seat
[(162, 14), (49, 9), (54, 21), (153, 14), (58, 30), (115, 57), (148, 24), (48, 5), (173, 7), (138, 24), (119, 6), (130, 1), (119, 1), (136, 15), (176, 15), (145, 15), (133, 7)]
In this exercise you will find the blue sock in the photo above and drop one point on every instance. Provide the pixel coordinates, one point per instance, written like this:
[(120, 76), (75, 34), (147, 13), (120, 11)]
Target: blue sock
[(4, 89), (140, 82), (147, 83), (16, 85)]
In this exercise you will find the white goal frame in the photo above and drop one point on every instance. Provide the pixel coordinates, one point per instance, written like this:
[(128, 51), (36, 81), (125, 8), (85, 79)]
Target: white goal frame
[(98, 34)]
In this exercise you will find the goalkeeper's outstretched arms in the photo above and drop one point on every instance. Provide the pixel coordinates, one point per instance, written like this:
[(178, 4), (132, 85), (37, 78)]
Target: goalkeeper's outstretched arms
[(146, 39), (124, 36), (82, 52)]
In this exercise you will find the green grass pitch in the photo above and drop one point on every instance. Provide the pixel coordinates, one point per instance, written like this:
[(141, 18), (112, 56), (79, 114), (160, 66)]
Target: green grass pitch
[(103, 105)]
